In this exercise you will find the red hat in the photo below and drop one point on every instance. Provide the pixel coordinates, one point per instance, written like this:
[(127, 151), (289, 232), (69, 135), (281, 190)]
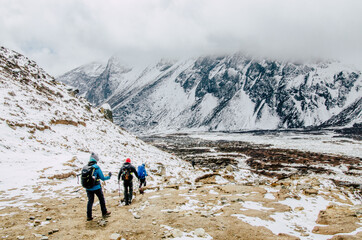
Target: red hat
[(128, 160)]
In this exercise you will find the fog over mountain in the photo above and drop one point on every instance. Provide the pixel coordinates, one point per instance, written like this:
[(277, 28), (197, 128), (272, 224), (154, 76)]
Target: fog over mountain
[(62, 35)]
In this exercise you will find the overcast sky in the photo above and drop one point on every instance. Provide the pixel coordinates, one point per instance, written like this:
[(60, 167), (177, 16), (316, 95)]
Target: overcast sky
[(64, 34)]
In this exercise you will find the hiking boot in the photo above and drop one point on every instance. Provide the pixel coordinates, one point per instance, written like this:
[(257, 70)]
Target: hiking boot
[(89, 218), (106, 214)]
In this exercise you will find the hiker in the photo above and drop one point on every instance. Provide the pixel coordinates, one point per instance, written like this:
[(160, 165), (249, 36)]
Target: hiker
[(142, 174), (193, 163), (126, 173), (91, 176)]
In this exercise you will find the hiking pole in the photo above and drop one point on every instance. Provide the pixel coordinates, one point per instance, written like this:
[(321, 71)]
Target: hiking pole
[(119, 189)]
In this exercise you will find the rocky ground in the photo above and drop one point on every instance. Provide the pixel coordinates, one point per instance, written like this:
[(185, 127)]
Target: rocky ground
[(262, 159), (207, 210), (242, 191)]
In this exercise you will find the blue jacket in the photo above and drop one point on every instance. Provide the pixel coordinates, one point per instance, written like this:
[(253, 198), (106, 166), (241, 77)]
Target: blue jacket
[(98, 174), (142, 173)]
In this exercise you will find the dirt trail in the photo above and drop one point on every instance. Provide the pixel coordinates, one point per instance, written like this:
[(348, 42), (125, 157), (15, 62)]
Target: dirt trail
[(152, 215)]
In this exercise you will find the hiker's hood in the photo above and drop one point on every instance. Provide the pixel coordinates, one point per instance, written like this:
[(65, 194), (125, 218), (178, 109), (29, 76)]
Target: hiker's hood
[(94, 164), (127, 164)]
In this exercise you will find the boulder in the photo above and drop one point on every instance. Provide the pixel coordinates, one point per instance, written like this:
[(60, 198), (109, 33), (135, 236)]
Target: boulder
[(115, 236), (229, 168), (107, 112), (205, 214), (102, 223), (207, 178), (200, 232), (310, 191), (336, 219), (176, 233), (304, 186), (161, 170), (287, 236), (37, 222), (298, 209)]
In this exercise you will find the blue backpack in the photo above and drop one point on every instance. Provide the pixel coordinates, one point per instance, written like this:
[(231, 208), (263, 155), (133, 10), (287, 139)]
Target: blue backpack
[(141, 172)]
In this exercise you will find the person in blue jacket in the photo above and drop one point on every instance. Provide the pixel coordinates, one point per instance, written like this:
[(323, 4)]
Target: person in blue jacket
[(97, 188), (142, 174)]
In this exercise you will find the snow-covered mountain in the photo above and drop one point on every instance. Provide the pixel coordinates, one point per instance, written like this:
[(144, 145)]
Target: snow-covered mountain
[(224, 93), (84, 76), (46, 131)]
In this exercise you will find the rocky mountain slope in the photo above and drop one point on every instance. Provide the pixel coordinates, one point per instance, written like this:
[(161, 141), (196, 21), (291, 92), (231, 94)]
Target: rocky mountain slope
[(47, 133), (226, 93), (84, 76)]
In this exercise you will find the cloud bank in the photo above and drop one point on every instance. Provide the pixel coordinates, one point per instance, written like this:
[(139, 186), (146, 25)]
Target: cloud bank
[(61, 35)]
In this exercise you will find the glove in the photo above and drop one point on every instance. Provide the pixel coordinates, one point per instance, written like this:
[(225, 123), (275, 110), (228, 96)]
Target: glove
[(110, 174)]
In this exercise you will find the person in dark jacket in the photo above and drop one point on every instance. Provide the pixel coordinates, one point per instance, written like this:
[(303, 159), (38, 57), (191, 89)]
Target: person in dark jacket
[(126, 174), (97, 188)]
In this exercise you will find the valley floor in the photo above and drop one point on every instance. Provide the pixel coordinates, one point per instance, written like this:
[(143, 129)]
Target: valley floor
[(240, 190), (284, 210)]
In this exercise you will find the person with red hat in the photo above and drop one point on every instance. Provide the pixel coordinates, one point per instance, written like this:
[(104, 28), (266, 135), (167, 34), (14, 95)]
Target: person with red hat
[(126, 174)]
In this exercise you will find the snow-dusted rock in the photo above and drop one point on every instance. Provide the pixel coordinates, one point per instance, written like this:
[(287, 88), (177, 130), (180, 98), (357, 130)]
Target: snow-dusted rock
[(200, 232), (311, 191), (115, 236), (102, 223), (229, 168), (176, 233)]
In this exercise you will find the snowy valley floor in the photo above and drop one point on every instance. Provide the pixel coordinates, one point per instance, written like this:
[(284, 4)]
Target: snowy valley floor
[(241, 189), (232, 211)]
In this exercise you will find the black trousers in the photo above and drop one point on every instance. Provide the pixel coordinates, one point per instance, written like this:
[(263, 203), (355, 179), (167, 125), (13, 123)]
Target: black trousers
[(102, 202), (142, 182), (128, 191)]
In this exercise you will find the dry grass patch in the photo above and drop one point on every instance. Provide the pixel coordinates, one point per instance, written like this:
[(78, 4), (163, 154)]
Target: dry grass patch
[(63, 175)]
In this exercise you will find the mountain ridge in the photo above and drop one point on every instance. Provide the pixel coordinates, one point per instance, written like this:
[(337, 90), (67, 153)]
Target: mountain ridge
[(227, 93)]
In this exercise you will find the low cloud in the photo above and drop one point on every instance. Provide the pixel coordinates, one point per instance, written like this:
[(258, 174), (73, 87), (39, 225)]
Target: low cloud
[(61, 35)]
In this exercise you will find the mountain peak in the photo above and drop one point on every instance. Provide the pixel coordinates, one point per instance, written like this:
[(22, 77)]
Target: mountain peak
[(227, 93)]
